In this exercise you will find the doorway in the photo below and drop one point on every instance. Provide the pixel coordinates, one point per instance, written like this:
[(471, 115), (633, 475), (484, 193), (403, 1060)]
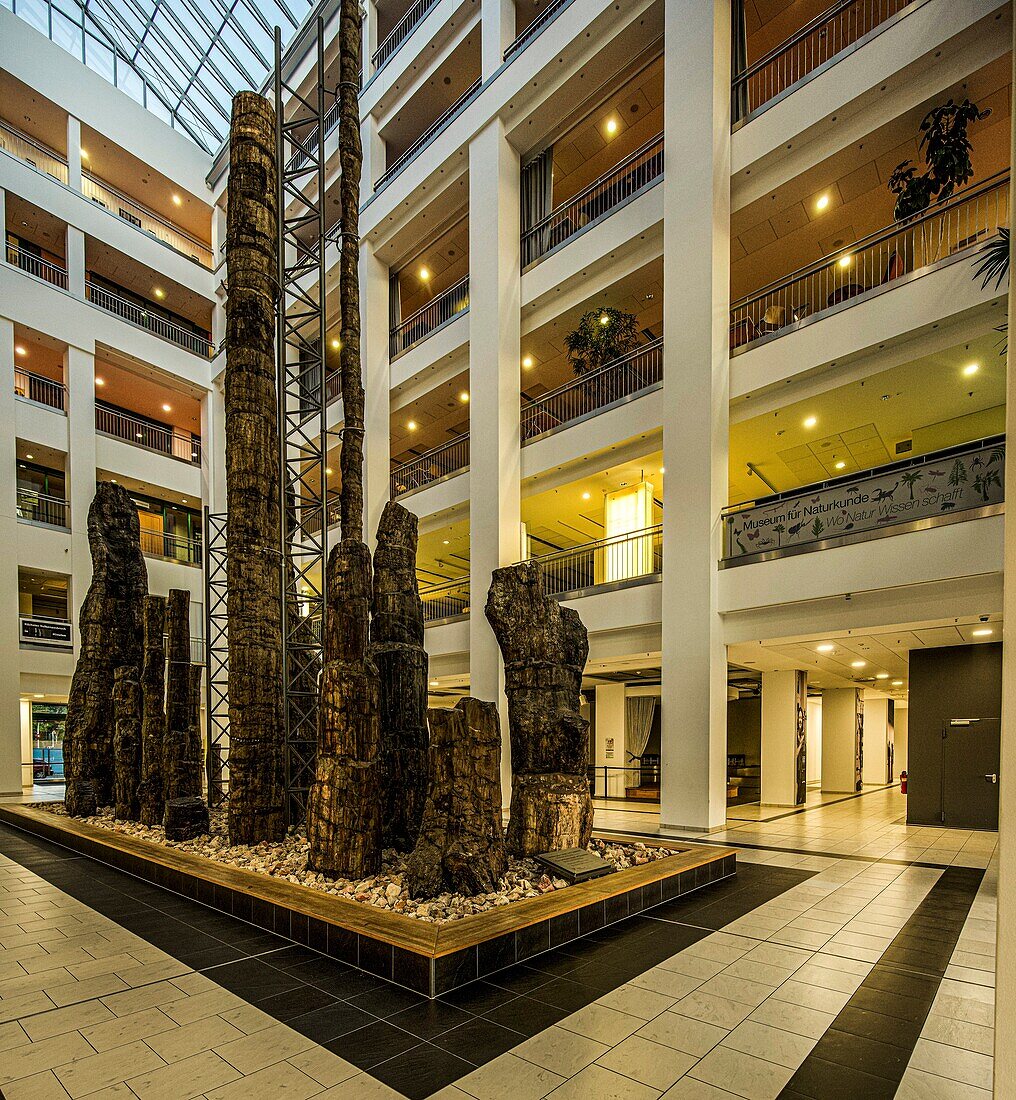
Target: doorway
[(970, 763)]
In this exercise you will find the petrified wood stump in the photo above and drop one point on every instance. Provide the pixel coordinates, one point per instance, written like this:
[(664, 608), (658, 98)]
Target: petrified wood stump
[(153, 714), (344, 805), (186, 818), (396, 645), (126, 742), (461, 846), (257, 790), (544, 646), (181, 761), (109, 632)]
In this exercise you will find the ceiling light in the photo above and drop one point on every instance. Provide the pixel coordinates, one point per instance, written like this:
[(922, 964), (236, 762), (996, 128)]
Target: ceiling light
[(434, 683), (112, 481), (897, 683), (527, 362), (822, 203), (464, 397), (971, 368), (846, 261), (328, 471), (445, 541), (882, 676), (38, 695), (167, 408), (585, 496), (611, 125), (19, 350), (159, 293), (100, 381), (841, 465), (825, 647), (604, 319), (411, 425), (982, 632), (29, 457), (336, 343), (177, 201), (183, 500), (858, 664), (663, 469), (810, 421), (84, 152), (424, 274)]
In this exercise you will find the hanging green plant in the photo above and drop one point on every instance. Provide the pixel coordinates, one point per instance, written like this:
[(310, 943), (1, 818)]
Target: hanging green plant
[(601, 336), (946, 150)]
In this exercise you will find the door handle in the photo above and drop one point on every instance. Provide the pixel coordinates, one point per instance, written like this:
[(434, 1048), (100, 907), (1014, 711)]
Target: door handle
[(992, 777)]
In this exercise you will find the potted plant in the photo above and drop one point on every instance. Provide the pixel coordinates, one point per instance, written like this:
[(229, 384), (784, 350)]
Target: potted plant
[(601, 336)]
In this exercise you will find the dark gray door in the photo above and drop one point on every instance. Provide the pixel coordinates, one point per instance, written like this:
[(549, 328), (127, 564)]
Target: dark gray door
[(970, 756)]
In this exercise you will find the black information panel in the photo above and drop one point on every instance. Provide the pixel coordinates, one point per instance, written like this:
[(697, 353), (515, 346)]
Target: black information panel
[(575, 864)]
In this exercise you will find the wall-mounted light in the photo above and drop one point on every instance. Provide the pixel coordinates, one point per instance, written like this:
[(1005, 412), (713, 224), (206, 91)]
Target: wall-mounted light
[(897, 683), (882, 676), (434, 683), (30, 457), (328, 471)]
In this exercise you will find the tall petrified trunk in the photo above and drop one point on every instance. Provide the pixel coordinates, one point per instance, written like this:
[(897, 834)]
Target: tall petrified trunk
[(344, 808), (109, 635), (126, 742), (153, 714), (396, 637), (461, 846), (254, 607), (182, 764), (544, 646)]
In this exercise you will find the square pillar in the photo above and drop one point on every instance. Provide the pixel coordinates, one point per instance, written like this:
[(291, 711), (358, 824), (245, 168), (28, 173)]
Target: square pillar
[(494, 386), (878, 733), (76, 262), (695, 408), (213, 447), (11, 759), (784, 724), (497, 33), (377, 387), (79, 378), (374, 155), (609, 731), (842, 716), (370, 42), (73, 153)]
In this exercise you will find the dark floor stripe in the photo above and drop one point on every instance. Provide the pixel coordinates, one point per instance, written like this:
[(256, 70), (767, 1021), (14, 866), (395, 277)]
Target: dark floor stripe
[(412, 1044), (868, 1046)]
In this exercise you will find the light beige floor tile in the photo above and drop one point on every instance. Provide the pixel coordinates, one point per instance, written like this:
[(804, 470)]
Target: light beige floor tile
[(110, 1068), (23, 1004), (40, 1086), (636, 1001), (561, 1051), (192, 1077), (918, 1085), (753, 1078), (711, 1009), (652, 1064), (596, 1083), (509, 1077), (603, 1024), (119, 1030), (281, 1079), (248, 1018), (148, 996), (326, 1068), (213, 1002), (31, 1058), (959, 1033), (61, 1020), (194, 983), (764, 1041), (694, 965), (182, 1042), (690, 1089), (360, 1087), (682, 1033), (253, 1052), (668, 982), (12, 1034), (736, 989), (798, 1019), (75, 992), (966, 1066), (810, 996)]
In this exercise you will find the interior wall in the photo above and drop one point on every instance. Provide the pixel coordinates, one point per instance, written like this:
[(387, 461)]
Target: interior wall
[(902, 727), (744, 729), (814, 740), (951, 682)]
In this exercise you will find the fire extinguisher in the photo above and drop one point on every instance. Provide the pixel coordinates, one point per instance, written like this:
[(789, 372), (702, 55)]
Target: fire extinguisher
[(903, 782)]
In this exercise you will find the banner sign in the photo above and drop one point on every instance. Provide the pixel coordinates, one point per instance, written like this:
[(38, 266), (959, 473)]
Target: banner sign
[(940, 485)]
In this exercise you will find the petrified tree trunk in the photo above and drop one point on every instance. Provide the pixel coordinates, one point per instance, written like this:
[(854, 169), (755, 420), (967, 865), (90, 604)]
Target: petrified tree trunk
[(344, 807), (182, 746), (109, 634), (396, 637), (153, 716), (544, 646), (127, 741), (186, 818), (254, 606), (461, 846)]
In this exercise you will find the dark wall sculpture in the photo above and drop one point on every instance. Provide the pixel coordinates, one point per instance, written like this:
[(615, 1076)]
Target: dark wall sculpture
[(254, 605), (153, 717), (344, 807), (461, 846), (109, 635), (181, 759), (544, 646), (396, 637), (126, 742)]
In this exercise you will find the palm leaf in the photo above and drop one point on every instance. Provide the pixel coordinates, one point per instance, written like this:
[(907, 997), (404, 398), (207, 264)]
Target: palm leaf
[(993, 267)]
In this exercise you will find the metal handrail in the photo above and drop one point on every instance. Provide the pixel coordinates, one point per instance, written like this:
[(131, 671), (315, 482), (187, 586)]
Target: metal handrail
[(445, 601), (593, 392), (194, 342), (820, 40), (170, 547), (35, 507), (535, 27), (400, 32), (429, 134), (152, 437), (425, 320), (11, 138), (874, 262), (34, 265), (628, 178), (39, 388), (632, 556), (433, 465)]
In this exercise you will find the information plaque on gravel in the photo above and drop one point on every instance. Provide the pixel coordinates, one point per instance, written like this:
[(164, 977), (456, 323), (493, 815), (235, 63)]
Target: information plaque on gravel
[(575, 864)]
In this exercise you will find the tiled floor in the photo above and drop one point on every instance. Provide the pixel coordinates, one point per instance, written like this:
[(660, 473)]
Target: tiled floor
[(807, 975)]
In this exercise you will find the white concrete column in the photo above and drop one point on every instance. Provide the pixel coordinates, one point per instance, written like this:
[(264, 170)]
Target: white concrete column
[(374, 154), (73, 153), (779, 738), (10, 684), (76, 262), (609, 732), (213, 446), (696, 263), (376, 385), (79, 378), (839, 722), (218, 236), (901, 740), (25, 714), (494, 387), (370, 42), (3, 223), (497, 33), (876, 739)]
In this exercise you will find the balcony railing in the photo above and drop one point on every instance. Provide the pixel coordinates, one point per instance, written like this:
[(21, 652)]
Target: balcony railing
[(630, 557), (427, 319), (445, 601), (594, 392), (874, 264), (36, 387), (32, 152), (152, 437), (817, 43), (957, 483), (624, 182), (400, 32), (36, 266), (428, 135), (169, 547), (547, 16), (39, 630), (433, 465), (197, 343), (118, 204), (34, 507)]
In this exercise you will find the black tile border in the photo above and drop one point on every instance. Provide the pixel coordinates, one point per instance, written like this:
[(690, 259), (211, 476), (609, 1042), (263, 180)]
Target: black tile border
[(429, 976)]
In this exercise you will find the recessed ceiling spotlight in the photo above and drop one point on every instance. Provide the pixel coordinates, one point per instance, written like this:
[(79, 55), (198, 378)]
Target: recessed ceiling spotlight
[(841, 465), (445, 542), (434, 683), (159, 292), (424, 274), (982, 632), (822, 202), (328, 471), (464, 397), (604, 319), (100, 381), (527, 362), (585, 496), (663, 469), (825, 647), (846, 261), (167, 408), (30, 457), (177, 201), (411, 425), (336, 343), (611, 125), (810, 421), (897, 683), (882, 676), (858, 664), (19, 350), (971, 368)]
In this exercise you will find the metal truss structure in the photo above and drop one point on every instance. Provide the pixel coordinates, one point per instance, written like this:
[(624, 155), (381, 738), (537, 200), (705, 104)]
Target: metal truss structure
[(216, 659)]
